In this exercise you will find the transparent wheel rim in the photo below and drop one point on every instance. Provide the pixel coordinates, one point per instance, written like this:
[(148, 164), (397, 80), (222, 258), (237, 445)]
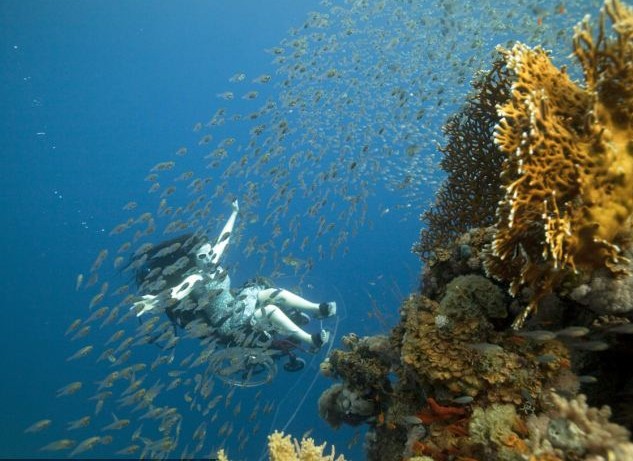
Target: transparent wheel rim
[(244, 366)]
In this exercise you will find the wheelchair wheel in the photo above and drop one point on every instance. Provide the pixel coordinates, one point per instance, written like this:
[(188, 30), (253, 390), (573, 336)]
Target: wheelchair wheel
[(244, 366)]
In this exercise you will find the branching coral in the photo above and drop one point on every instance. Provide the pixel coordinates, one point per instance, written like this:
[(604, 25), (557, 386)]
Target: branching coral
[(568, 172), (282, 448), (470, 194)]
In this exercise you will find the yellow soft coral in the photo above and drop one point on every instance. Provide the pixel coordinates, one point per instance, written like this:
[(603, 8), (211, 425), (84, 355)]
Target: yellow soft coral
[(282, 448), (568, 173)]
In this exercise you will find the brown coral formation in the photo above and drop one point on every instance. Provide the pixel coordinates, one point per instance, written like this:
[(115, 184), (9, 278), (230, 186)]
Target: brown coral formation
[(363, 367), (568, 172), (470, 359)]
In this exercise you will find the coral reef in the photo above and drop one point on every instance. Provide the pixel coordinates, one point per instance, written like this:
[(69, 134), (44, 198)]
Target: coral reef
[(466, 375), (568, 171), (454, 381)]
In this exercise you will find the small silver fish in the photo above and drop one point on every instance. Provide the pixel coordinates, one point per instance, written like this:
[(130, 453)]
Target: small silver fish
[(546, 358), (80, 280), (80, 353), (86, 445), (72, 327), (538, 335), (79, 423), (591, 346), (463, 400), (38, 425), (573, 332), (411, 419), (69, 389), (116, 424), (486, 348), (57, 445), (81, 333), (625, 329)]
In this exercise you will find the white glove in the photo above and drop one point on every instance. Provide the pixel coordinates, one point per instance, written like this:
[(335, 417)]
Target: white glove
[(147, 304)]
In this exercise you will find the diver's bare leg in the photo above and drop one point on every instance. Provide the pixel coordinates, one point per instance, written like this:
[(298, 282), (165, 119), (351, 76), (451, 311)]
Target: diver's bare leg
[(289, 300), (281, 322)]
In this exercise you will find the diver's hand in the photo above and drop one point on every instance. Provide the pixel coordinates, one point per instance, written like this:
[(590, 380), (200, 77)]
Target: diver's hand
[(147, 304), (235, 206)]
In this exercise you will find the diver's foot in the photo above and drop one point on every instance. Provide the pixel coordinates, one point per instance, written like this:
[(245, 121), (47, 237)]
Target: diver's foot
[(326, 310), (320, 338)]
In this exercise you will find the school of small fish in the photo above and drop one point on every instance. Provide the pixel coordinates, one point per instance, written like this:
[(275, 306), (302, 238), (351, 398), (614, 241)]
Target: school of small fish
[(349, 113)]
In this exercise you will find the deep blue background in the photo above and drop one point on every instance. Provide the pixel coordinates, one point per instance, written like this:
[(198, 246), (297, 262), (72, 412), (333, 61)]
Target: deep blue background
[(93, 94)]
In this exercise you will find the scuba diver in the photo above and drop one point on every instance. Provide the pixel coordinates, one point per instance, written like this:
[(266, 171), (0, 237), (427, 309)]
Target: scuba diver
[(201, 291)]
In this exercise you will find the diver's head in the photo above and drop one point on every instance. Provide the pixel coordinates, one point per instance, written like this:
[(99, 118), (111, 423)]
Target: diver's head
[(204, 258)]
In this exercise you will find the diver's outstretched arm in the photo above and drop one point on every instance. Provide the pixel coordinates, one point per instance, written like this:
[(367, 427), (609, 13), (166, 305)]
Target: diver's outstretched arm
[(225, 235), (147, 303)]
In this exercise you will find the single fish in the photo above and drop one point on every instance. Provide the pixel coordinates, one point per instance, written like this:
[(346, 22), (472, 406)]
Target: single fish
[(38, 426), (573, 332), (80, 353), (79, 423), (86, 445), (57, 445), (591, 346), (625, 329), (117, 424), (69, 389), (538, 335)]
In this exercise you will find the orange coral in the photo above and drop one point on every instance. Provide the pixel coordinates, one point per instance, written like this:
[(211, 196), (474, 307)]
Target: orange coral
[(514, 442), (568, 172)]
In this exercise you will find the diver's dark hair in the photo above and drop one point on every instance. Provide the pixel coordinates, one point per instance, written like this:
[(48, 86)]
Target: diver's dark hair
[(152, 269)]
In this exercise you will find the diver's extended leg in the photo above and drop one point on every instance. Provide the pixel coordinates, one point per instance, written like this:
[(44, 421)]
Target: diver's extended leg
[(289, 300), (282, 323)]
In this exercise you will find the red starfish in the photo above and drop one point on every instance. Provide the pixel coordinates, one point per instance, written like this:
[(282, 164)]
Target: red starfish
[(437, 412)]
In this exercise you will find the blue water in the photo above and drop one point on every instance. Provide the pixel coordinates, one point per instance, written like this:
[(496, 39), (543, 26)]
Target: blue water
[(93, 94)]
